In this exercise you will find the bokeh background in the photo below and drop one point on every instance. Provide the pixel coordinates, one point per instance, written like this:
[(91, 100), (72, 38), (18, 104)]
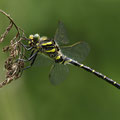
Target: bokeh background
[(81, 96)]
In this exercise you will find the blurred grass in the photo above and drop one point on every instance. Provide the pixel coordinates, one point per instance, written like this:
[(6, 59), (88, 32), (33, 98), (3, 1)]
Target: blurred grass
[(82, 95)]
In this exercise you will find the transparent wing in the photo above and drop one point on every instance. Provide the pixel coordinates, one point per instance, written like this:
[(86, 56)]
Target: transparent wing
[(58, 73), (78, 51), (42, 60), (60, 35)]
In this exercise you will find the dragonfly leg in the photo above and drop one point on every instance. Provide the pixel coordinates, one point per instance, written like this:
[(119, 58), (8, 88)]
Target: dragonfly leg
[(30, 55), (28, 48), (24, 38), (33, 60), (30, 58)]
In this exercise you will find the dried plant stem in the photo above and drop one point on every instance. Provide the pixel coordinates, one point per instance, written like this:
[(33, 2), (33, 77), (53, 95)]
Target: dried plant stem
[(7, 15), (6, 31), (13, 67), (5, 82)]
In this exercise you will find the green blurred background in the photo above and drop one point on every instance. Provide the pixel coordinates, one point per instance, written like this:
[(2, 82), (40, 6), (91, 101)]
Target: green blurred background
[(82, 96)]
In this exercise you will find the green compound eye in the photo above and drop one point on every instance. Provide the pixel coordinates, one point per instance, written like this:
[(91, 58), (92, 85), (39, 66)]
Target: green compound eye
[(36, 37)]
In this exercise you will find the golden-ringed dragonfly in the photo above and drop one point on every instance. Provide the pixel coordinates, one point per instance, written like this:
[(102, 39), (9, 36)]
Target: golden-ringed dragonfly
[(60, 55)]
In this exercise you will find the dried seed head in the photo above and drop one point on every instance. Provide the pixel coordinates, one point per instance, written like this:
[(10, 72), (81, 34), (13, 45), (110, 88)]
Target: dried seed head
[(13, 66)]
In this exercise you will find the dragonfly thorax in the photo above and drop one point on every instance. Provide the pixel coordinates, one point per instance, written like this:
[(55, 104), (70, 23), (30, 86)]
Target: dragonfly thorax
[(46, 46)]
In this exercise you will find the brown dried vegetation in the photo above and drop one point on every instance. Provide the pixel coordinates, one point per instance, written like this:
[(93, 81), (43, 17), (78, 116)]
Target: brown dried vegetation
[(13, 66)]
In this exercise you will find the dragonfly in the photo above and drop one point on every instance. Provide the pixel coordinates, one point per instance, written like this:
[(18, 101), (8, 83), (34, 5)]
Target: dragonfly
[(61, 54)]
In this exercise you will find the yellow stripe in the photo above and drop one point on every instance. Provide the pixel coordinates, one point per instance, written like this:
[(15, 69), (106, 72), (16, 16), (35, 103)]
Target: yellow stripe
[(104, 77), (81, 65), (67, 61), (44, 38), (53, 50), (31, 37), (58, 57), (29, 42), (37, 44), (114, 82), (48, 43)]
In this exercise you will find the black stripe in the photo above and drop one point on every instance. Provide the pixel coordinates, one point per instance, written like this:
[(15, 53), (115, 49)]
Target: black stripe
[(48, 47), (52, 54)]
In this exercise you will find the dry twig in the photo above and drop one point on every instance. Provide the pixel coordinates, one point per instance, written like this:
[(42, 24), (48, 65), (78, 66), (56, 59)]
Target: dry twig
[(12, 65)]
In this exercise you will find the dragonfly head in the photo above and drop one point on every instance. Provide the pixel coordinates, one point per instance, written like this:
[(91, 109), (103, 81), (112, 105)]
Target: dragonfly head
[(34, 39)]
